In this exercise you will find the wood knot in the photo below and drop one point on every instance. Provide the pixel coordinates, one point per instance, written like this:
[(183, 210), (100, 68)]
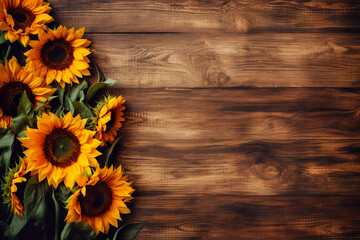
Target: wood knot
[(348, 122), (267, 172), (264, 164), (133, 118), (215, 78), (205, 64), (336, 49), (233, 18)]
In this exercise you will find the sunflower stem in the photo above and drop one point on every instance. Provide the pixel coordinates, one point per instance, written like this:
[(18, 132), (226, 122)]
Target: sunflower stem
[(8, 52), (56, 237)]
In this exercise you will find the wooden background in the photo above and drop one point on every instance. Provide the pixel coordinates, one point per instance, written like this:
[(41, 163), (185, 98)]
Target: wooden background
[(241, 115)]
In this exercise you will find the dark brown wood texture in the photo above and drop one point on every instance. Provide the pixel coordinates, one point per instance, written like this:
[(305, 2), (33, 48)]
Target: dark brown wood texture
[(242, 116)]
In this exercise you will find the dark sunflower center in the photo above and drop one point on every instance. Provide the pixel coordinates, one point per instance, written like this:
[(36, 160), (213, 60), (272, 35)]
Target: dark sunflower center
[(23, 18), (20, 17), (97, 200), (110, 123), (10, 95), (61, 147), (57, 54)]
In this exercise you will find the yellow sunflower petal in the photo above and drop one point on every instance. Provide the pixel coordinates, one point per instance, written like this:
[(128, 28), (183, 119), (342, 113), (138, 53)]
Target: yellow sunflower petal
[(20, 80), (105, 183), (108, 119), (68, 69), (36, 13), (54, 149), (13, 177)]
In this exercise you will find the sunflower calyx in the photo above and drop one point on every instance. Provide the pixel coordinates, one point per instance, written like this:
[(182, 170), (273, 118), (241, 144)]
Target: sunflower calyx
[(14, 189)]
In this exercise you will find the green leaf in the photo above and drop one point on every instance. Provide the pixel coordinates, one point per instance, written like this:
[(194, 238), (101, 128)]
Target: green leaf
[(25, 106), (19, 124), (77, 231), (110, 81), (7, 138), (61, 93), (8, 52), (110, 150), (45, 102), (59, 112), (57, 216), (82, 109), (96, 87), (2, 37), (34, 200), (71, 106), (16, 225), (81, 96), (62, 193), (128, 231), (101, 77), (76, 90)]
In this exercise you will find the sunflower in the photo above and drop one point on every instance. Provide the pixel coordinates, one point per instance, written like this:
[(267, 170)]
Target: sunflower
[(12, 195), (23, 17), (108, 118), (14, 80), (101, 200), (59, 55), (60, 150)]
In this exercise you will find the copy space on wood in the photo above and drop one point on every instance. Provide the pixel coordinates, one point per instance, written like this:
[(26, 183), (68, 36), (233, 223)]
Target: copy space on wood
[(242, 141), (221, 216), (258, 135), (209, 16), (229, 60), (243, 167), (239, 113)]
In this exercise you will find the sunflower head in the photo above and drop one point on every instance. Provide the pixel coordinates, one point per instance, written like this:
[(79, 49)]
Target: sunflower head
[(59, 55), (60, 150), (14, 80), (101, 199), (14, 189), (108, 118), (23, 17)]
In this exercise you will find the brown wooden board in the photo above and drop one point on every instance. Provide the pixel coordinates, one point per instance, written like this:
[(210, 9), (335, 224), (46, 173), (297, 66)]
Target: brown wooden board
[(229, 60), (209, 16), (257, 114), (221, 216), (242, 116), (242, 167), (292, 141)]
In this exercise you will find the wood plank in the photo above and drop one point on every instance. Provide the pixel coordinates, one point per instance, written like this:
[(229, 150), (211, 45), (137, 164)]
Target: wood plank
[(206, 216), (242, 141), (229, 60), (244, 113), (209, 16), (242, 167)]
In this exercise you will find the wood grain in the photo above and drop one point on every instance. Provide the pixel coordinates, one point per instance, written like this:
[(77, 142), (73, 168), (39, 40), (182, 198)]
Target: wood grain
[(242, 117), (220, 216), (229, 60), (243, 167), (209, 16), (242, 141), (243, 163), (257, 114)]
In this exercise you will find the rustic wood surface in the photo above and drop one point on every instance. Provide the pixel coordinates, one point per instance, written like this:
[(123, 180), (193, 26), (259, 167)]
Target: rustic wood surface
[(229, 60), (242, 116)]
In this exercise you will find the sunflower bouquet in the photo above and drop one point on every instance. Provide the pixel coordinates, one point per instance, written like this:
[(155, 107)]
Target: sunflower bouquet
[(57, 133)]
